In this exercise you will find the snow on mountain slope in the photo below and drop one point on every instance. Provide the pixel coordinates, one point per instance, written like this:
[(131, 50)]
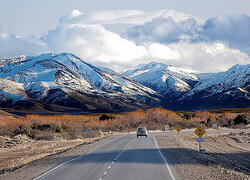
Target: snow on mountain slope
[(10, 90), (163, 78), (237, 76), (66, 80), (126, 82), (63, 75), (203, 76)]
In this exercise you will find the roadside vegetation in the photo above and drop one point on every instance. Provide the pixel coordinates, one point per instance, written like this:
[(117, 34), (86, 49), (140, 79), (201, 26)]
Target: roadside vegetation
[(48, 127), (24, 139)]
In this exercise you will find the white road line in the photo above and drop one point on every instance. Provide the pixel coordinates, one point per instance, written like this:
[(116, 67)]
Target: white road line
[(44, 174), (105, 173), (100, 178), (109, 167), (113, 162), (165, 160)]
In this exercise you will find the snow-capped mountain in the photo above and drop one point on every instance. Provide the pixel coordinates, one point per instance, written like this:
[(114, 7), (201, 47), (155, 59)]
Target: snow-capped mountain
[(11, 90), (226, 89), (64, 82), (165, 79), (185, 89), (67, 80), (235, 77)]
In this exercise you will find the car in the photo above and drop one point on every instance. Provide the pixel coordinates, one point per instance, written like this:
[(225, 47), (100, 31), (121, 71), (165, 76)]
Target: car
[(142, 131)]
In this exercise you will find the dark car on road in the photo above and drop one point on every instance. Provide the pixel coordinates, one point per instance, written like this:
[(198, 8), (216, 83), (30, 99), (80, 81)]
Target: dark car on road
[(142, 131)]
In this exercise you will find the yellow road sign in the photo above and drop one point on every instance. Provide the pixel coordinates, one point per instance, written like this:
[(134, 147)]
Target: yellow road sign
[(178, 128), (200, 131)]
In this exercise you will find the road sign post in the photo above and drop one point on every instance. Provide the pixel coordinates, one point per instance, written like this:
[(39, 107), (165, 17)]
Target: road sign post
[(84, 134), (215, 126), (166, 127), (178, 129), (200, 132)]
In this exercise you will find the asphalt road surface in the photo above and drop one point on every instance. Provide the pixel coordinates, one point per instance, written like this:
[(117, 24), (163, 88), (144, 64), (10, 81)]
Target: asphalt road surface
[(125, 158)]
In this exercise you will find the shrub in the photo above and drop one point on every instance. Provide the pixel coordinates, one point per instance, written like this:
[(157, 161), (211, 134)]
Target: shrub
[(23, 129), (187, 115), (56, 127), (40, 135), (105, 117), (241, 119), (210, 121), (53, 126)]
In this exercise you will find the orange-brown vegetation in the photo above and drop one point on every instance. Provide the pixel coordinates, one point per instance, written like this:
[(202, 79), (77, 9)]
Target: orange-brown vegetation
[(71, 126)]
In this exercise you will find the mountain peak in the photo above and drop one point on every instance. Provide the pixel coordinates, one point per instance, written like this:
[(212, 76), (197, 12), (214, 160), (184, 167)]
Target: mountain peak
[(67, 80), (163, 78), (152, 65)]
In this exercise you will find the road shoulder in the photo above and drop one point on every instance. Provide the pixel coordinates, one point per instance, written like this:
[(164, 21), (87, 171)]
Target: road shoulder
[(182, 155), (38, 167)]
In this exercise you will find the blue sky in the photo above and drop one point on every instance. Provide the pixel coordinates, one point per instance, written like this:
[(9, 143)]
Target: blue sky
[(201, 35)]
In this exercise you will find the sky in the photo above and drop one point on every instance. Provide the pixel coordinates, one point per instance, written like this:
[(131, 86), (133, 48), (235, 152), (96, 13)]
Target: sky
[(206, 36)]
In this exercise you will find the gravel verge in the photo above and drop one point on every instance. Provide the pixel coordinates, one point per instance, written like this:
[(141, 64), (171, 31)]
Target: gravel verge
[(37, 167), (224, 156)]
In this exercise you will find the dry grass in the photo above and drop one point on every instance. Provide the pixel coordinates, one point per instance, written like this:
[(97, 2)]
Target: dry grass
[(48, 127)]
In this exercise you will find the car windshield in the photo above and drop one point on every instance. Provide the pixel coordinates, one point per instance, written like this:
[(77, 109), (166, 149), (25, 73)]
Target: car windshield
[(142, 129)]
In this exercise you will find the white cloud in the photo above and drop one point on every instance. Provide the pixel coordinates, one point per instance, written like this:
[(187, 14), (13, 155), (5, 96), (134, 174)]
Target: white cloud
[(165, 36), (135, 17), (164, 30), (208, 57), (94, 43), (232, 29), (161, 52), (13, 45)]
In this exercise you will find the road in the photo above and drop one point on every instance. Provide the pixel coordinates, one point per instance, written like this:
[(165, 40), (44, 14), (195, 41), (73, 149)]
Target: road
[(125, 158)]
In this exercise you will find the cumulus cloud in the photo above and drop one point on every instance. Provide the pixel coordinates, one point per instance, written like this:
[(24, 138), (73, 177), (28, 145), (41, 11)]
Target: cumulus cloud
[(13, 45), (233, 30), (208, 57), (135, 17), (100, 46), (94, 43), (164, 30), (165, 36), (161, 52)]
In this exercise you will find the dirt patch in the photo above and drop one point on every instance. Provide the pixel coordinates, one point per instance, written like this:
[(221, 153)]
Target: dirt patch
[(224, 155)]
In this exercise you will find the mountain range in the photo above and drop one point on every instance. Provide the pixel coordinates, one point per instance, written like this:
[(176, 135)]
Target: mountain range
[(66, 83)]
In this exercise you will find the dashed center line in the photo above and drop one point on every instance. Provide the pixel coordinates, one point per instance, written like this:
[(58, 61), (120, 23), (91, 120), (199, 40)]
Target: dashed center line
[(113, 162)]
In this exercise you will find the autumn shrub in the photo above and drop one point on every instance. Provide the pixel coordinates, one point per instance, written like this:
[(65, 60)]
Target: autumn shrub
[(46, 127), (9, 125)]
